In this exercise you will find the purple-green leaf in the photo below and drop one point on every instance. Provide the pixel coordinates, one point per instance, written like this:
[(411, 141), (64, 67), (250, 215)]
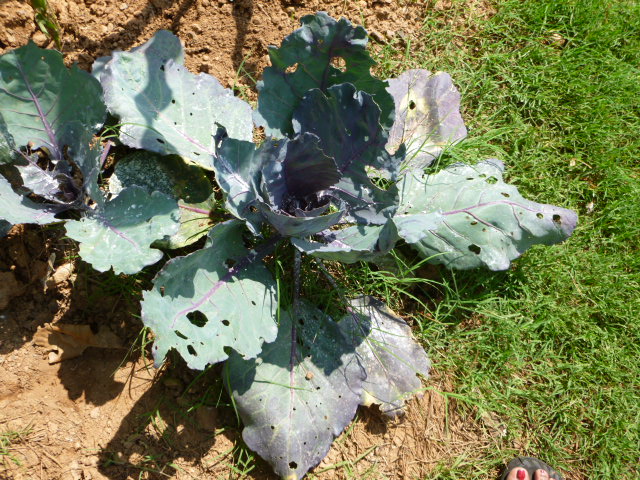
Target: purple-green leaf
[(311, 49), (427, 116)]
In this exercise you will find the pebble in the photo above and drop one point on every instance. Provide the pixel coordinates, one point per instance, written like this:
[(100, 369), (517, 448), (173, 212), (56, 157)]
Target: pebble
[(95, 413), (40, 39), (124, 6)]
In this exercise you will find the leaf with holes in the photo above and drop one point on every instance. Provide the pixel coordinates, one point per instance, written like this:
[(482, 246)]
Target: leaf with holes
[(162, 47), (484, 221), (216, 298), (118, 235), (170, 175), (299, 394), (312, 51), (393, 360), (166, 109), (427, 116)]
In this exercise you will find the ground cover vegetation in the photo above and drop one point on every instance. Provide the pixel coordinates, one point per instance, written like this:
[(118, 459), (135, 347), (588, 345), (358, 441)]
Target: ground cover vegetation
[(551, 346), (533, 345)]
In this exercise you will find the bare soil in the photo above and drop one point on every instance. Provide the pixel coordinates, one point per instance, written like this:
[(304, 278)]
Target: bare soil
[(109, 414)]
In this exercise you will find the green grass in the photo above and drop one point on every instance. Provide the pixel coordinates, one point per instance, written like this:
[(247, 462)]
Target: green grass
[(8, 439), (552, 89)]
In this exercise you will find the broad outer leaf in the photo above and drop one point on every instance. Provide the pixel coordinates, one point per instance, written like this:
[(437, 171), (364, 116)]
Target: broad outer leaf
[(163, 46), (118, 235), (386, 349), (15, 208), (299, 394), (427, 116), (485, 222), (172, 176), (352, 244), (166, 109), (311, 49), (217, 297), (45, 105)]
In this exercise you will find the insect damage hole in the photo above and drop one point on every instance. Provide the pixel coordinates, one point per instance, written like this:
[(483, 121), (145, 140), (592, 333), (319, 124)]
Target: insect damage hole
[(540, 216), (225, 323), (293, 465), (412, 105), (556, 218), (197, 318), (475, 248)]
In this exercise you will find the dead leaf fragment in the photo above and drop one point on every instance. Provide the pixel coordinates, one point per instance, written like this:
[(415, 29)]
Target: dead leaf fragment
[(65, 341), (61, 274)]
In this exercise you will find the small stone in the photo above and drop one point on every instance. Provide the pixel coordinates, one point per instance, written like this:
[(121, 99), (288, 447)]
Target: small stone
[(124, 6), (95, 413), (290, 10), (40, 39)]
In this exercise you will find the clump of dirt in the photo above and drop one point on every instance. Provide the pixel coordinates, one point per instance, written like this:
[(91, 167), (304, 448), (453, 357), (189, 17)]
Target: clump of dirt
[(109, 414)]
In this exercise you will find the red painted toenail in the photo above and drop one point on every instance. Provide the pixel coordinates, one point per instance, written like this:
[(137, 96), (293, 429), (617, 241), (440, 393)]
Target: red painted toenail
[(521, 474)]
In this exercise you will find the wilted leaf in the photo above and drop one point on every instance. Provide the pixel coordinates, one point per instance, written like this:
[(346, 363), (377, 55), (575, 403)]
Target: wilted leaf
[(427, 116), (387, 351)]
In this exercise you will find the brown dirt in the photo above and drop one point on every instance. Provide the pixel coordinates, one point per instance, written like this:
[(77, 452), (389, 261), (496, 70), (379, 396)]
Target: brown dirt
[(108, 415)]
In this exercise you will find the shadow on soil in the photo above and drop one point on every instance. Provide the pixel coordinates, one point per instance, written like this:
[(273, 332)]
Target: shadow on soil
[(179, 420)]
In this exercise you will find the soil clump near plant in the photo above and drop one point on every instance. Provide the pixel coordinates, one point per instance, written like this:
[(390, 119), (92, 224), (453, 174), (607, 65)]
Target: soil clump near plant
[(109, 415)]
